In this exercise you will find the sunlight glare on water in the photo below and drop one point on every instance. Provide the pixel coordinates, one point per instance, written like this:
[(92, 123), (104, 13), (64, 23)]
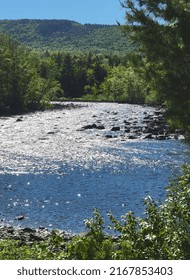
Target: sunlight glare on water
[(54, 172)]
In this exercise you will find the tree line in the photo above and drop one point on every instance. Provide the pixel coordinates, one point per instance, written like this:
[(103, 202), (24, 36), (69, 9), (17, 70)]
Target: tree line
[(30, 79)]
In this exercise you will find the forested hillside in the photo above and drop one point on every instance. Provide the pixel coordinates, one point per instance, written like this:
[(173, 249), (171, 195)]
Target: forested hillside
[(30, 79), (67, 35)]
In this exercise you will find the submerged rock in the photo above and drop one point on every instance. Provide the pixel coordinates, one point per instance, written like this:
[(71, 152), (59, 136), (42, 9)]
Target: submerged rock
[(19, 119), (19, 218), (100, 127), (115, 128), (161, 137), (148, 136), (93, 126), (108, 136), (89, 126)]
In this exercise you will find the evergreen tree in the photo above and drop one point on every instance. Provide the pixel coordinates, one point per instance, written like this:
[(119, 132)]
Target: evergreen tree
[(162, 30)]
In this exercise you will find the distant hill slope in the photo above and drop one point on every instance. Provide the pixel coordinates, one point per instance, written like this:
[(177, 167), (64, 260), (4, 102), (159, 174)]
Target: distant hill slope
[(66, 34)]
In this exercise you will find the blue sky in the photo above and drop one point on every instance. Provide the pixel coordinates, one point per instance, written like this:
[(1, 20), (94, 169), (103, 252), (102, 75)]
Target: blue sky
[(83, 11)]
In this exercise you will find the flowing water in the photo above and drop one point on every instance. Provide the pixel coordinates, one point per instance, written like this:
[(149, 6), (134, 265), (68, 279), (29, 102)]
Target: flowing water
[(54, 173)]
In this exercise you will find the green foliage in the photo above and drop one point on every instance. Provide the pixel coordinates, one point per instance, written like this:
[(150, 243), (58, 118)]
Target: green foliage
[(164, 233), (93, 245), (148, 63), (66, 35), (80, 74), (51, 249), (124, 85), (29, 80), (23, 84), (161, 29)]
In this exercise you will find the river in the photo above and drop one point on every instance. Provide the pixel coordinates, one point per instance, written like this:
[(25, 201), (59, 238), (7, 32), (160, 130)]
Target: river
[(53, 172)]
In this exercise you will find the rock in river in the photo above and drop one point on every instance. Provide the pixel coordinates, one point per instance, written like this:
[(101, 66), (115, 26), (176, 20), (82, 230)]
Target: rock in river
[(19, 218)]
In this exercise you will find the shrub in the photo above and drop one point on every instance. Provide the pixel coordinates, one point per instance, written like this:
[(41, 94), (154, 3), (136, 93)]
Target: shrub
[(164, 232), (52, 249), (94, 245)]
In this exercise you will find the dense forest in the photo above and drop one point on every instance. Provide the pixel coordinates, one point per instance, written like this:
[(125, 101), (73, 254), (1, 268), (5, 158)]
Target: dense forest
[(22, 85), (67, 35), (29, 79)]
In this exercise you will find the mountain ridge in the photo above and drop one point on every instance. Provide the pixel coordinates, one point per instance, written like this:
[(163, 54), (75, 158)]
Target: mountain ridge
[(59, 34)]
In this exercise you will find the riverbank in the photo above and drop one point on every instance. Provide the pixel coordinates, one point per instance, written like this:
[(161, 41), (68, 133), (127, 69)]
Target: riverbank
[(30, 236)]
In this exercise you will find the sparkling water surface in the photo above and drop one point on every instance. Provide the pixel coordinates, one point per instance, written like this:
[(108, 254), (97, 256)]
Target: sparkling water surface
[(54, 173)]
